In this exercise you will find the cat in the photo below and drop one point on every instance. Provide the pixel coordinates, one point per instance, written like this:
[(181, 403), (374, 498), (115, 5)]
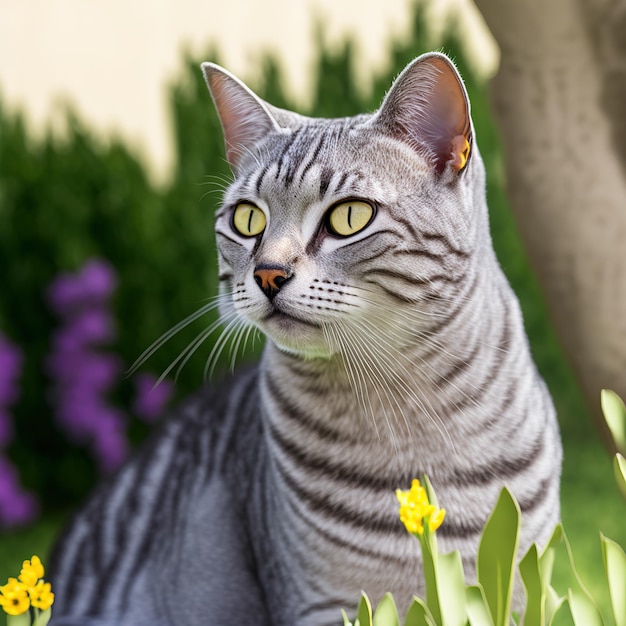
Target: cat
[(360, 247)]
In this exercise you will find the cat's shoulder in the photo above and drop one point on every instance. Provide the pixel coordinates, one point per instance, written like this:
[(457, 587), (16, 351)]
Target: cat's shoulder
[(214, 407)]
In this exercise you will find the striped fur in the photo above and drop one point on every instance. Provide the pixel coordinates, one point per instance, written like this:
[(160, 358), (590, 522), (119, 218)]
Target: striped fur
[(396, 351)]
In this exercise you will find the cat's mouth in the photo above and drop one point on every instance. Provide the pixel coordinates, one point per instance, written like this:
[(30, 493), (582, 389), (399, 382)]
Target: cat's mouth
[(286, 319), (295, 334)]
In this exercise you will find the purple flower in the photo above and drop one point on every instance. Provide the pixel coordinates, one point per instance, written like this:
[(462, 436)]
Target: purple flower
[(151, 398), (109, 443), (85, 369), (17, 507), (64, 293), (89, 326), (94, 284), (83, 375), (78, 413), (98, 280)]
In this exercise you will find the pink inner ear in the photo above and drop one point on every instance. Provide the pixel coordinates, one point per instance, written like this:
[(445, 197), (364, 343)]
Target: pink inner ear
[(448, 114), (427, 107)]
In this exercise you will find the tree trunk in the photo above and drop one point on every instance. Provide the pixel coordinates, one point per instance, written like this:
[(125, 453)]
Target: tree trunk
[(560, 102)]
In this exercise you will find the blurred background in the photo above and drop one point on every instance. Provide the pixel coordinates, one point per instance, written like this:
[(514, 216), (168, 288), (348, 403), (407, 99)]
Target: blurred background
[(114, 61), (111, 165)]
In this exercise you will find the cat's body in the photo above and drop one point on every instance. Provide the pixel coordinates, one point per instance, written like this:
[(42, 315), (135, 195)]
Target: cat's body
[(395, 347)]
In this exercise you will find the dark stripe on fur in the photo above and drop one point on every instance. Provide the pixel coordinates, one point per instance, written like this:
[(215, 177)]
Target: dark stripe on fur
[(325, 178), (313, 158), (536, 498), (339, 511), (347, 475), (296, 415), (417, 281), (285, 149), (260, 178), (498, 469)]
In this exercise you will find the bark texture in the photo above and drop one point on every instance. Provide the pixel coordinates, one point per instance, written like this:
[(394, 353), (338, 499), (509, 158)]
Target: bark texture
[(560, 102)]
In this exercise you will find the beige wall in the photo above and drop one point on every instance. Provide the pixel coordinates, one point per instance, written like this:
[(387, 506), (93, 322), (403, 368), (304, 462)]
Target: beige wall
[(112, 58)]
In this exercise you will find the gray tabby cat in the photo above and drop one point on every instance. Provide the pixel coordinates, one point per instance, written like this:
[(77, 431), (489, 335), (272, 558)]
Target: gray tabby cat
[(360, 248)]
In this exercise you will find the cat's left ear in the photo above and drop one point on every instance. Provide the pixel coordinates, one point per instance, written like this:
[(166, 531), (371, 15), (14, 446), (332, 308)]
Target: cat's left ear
[(428, 107), (245, 118)]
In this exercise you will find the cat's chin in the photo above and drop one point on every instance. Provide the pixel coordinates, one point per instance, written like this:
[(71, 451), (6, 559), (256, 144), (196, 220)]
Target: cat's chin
[(307, 354), (296, 337)]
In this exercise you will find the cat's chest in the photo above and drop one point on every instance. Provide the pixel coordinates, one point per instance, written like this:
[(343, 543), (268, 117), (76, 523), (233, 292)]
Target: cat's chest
[(321, 554)]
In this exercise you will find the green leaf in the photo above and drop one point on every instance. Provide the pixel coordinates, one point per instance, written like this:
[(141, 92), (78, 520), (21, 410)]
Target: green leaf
[(364, 612), (386, 612), (418, 614), (452, 589), (477, 608), (430, 537), (554, 602), (42, 617), (546, 557), (581, 604), (430, 491), (535, 589), (19, 620), (546, 564), (619, 467), (615, 416), (346, 621), (615, 566), (562, 615), (584, 611), (496, 556)]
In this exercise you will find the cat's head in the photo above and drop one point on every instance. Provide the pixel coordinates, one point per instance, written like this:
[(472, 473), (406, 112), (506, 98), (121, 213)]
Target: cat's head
[(339, 229)]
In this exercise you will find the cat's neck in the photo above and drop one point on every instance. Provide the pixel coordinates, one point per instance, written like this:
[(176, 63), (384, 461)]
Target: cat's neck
[(431, 389)]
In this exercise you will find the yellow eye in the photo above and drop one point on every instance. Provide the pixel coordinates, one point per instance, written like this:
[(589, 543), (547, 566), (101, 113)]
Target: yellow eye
[(349, 218), (249, 220)]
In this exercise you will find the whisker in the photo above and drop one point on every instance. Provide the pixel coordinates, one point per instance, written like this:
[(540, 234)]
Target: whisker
[(165, 337), (377, 380), (191, 348), (400, 384), (359, 386), (242, 334), (372, 361), (219, 346), (450, 359)]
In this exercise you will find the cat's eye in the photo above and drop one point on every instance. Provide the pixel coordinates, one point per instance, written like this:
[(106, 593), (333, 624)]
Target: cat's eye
[(349, 218), (249, 220)]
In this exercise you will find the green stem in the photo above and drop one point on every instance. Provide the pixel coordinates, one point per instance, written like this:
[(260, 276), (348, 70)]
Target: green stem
[(428, 542)]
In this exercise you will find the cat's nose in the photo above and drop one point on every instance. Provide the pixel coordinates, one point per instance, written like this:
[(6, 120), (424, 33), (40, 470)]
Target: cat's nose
[(270, 278)]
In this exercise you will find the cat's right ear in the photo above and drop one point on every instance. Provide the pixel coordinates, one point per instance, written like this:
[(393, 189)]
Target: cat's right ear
[(245, 118), (427, 107)]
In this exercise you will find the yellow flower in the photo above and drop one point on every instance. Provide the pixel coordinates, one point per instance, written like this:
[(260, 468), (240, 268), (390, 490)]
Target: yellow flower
[(12, 586), (415, 509), (436, 519), (32, 571), (41, 596), (17, 596), (14, 599)]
